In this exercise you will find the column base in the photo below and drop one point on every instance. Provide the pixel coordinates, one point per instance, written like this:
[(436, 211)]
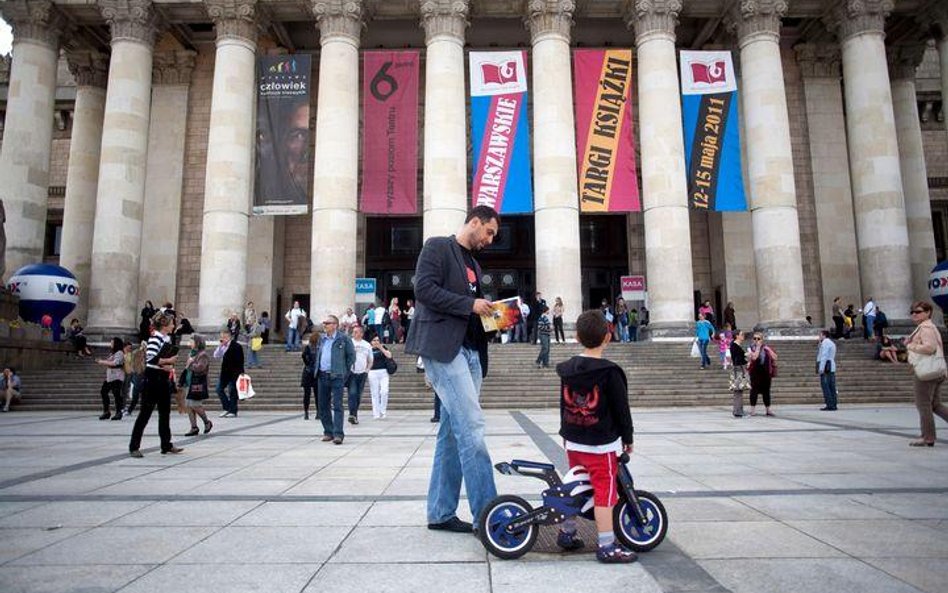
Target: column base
[(787, 329), (105, 334), (667, 330), (902, 327)]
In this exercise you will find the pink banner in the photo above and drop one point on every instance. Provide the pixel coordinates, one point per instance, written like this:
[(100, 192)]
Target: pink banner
[(605, 147), (390, 132)]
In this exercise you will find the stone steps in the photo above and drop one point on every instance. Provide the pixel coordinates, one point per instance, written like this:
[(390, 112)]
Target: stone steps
[(660, 374)]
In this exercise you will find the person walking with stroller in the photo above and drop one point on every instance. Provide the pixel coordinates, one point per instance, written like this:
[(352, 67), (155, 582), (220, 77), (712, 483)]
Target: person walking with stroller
[(596, 425)]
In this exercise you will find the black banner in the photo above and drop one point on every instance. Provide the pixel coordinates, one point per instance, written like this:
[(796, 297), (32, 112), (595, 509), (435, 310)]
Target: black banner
[(283, 135), (706, 150)]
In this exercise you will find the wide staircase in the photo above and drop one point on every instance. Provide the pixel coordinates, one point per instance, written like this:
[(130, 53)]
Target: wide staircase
[(659, 373)]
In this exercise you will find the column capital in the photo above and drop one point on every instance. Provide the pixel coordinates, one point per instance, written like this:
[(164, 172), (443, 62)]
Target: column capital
[(648, 17), (818, 60), (34, 20), (444, 17), (848, 18), (89, 67), (132, 20), (339, 18), (173, 67), (753, 18), (904, 60), (550, 17), (234, 19)]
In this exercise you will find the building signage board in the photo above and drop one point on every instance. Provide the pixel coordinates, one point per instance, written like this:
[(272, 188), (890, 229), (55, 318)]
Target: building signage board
[(365, 290), (283, 156), (709, 112), (633, 288)]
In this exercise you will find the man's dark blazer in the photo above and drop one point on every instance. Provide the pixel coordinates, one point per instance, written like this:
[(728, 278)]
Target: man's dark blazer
[(443, 303), (232, 363)]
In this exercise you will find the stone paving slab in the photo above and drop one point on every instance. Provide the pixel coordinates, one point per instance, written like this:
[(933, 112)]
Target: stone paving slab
[(806, 501)]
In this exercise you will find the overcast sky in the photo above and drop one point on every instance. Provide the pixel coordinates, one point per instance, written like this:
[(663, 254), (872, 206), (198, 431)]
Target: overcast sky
[(6, 37)]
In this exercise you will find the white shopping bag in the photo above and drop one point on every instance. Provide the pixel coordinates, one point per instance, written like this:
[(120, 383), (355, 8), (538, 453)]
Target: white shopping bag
[(695, 351), (244, 387)]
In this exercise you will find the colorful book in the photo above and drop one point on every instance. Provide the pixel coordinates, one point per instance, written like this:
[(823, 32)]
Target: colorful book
[(504, 315)]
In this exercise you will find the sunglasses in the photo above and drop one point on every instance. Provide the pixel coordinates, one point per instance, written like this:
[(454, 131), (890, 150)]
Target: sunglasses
[(917, 311), (757, 339)]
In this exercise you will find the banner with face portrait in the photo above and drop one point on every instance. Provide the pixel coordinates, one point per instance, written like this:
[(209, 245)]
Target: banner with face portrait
[(283, 137), (604, 144), (500, 132), (390, 140), (712, 131)]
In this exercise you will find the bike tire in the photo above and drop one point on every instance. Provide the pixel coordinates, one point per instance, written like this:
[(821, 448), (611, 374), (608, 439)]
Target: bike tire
[(491, 524), (624, 523)]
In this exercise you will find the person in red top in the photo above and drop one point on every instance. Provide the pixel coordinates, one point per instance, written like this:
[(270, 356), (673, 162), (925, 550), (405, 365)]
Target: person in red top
[(596, 425)]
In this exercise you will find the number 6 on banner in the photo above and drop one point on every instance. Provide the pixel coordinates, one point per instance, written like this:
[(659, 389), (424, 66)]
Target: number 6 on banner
[(244, 387)]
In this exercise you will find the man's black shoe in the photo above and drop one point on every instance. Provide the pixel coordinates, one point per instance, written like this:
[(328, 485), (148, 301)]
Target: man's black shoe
[(454, 525), (827, 409)]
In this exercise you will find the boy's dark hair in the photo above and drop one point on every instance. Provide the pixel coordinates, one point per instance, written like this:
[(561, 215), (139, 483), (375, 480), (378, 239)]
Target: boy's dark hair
[(591, 328), (484, 213)]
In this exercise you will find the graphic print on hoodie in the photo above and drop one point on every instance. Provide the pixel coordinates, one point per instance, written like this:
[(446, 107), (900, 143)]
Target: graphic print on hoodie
[(594, 401)]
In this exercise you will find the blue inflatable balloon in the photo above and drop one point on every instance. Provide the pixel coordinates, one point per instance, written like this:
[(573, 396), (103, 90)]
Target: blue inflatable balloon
[(45, 290), (938, 285)]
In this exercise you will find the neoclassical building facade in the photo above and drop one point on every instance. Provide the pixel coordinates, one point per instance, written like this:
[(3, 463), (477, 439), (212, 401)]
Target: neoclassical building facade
[(129, 128)]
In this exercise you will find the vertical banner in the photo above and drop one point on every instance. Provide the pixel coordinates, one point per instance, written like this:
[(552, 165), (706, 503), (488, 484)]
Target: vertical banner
[(500, 132), (283, 160), (605, 148), (712, 131), (390, 136)]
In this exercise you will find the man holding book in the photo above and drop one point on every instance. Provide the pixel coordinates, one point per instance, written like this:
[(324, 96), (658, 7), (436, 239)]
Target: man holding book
[(448, 334)]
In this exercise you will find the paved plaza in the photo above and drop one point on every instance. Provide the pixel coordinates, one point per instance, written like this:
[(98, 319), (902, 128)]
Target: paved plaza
[(805, 502)]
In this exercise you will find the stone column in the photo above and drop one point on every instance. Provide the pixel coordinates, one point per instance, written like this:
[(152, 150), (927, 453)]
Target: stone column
[(444, 196), (903, 61), (229, 179), (336, 172), (884, 262), (116, 244), (669, 275), (171, 80), (773, 197), (938, 16), (90, 69), (28, 131), (556, 204), (829, 161)]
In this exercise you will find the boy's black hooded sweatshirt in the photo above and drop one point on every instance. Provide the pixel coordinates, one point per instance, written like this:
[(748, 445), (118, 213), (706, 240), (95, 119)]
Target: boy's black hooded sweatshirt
[(594, 401)]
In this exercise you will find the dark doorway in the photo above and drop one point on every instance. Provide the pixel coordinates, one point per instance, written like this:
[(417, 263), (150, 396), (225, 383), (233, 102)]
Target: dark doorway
[(604, 255)]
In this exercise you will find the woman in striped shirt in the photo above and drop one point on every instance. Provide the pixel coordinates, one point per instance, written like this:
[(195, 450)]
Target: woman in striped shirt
[(157, 392)]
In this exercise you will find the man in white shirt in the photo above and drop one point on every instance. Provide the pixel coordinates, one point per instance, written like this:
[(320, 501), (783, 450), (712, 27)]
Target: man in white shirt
[(380, 326), (348, 321), (869, 315), (293, 339), (360, 370)]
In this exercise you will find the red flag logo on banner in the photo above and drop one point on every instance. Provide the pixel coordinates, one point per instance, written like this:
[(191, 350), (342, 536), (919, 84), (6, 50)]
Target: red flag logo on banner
[(499, 73), (713, 73)]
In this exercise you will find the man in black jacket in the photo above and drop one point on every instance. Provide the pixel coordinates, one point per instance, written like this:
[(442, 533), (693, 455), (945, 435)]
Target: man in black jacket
[(448, 334), (232, 366)]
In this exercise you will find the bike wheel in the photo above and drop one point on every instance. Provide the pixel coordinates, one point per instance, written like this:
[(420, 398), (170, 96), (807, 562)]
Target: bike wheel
[(641, 538), (493, 523)]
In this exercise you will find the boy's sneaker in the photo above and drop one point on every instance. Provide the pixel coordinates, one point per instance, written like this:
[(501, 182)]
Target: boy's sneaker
[(615, 554), (568, 541)]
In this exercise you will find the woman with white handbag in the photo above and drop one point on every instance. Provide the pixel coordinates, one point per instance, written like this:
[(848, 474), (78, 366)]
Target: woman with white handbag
[(927, 357)]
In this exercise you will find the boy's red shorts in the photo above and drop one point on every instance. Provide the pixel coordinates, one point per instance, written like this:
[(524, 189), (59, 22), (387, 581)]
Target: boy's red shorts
[(602, 468)]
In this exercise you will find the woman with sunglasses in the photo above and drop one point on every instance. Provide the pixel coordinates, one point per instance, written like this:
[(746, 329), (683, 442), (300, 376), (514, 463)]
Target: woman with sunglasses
[(926, 340), (762, 367)]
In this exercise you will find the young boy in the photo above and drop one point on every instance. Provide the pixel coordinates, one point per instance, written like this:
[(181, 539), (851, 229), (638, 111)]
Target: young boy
[(596, 425), (544, 329)]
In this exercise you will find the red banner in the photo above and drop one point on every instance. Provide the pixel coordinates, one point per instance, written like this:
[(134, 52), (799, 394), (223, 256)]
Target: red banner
[(390, 133), (605, 147)]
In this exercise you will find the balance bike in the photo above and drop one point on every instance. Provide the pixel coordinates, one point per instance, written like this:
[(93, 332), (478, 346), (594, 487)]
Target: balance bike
[(509, 526)]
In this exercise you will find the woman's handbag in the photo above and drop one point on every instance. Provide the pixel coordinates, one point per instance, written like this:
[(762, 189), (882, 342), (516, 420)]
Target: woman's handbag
[(928, 367), (739, 380), (197, 391), (256, 343), (391, 366)]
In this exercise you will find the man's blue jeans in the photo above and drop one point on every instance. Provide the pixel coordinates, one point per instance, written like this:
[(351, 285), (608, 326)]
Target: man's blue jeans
[(460, 451), (356, 387), (227, 393), (828, 383), (331, 417), (703, 347), (292, 338)]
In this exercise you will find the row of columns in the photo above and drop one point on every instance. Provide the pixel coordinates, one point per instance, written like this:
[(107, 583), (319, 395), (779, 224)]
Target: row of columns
[(888, 203)]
